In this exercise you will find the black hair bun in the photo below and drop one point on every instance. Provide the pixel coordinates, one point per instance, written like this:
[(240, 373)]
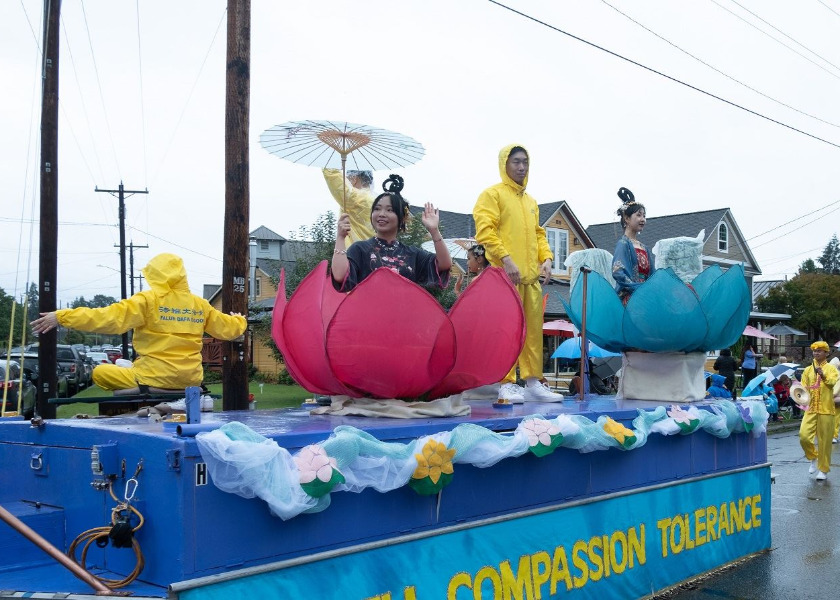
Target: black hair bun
[(626, 196), (393, 185)]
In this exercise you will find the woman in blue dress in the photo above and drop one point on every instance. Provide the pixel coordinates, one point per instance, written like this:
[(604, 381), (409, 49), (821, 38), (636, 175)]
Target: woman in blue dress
[(632, 261)]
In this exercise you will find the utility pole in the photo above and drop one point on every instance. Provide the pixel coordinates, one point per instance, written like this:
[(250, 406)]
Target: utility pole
[(131, 276), (121, 195), (237, 198), (48, 257)]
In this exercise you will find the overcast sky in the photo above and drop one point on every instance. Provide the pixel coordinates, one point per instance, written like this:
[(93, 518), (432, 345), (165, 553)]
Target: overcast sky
[(464, 78)]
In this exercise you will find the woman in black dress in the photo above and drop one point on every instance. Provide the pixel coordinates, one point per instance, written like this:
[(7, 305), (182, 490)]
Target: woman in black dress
[(388, 216)]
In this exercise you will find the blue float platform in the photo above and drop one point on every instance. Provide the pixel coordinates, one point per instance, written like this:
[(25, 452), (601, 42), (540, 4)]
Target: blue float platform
[(604, 524)]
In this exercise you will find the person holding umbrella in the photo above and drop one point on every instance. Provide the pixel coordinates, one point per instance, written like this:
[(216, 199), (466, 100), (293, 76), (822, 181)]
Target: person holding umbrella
[(819, 379), (507, 224), (357, 186)]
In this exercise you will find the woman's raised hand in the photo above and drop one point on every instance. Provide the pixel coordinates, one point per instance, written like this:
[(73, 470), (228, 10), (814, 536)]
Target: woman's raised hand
[(431, 217)]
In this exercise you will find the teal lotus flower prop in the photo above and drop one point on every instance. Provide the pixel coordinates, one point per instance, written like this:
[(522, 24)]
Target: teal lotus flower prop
[(664, 314)]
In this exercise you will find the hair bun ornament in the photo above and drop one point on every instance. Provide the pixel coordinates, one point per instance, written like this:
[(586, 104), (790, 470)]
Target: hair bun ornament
[(626, 196), (394, 184)]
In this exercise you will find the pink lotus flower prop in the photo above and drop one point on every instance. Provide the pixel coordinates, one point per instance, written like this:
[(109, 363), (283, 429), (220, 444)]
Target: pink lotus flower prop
[(389, 338)]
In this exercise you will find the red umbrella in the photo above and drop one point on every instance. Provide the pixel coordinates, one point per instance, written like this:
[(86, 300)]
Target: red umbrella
[(559, 327), (751, 331)]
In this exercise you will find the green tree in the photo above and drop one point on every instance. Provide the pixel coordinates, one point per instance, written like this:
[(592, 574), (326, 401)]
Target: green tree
[(33, 302), (321, 236), (811, 300), (101, 301), (6, 319), (830, 259), (808, 266)]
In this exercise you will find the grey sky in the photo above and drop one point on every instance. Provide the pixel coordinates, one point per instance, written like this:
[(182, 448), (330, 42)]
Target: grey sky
[(464, 78)]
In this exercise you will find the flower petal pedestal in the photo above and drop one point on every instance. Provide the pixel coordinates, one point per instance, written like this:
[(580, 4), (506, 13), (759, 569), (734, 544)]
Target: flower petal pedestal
[(664, 376)]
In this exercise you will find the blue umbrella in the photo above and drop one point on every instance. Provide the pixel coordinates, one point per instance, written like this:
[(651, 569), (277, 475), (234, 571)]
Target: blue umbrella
[(777, 371), (755, 386), (571, 349)]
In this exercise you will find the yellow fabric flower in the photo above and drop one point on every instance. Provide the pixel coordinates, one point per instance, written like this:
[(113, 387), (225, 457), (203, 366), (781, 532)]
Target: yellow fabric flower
[(617, 430), (435, 459)]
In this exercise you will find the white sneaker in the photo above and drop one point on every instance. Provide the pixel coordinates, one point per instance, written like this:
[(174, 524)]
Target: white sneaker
[(512, 393), (834, 440), (813, 468), (540, 392), (821, 476)]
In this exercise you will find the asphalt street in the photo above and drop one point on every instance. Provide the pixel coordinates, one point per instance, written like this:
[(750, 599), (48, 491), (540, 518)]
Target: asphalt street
[(804, 560)]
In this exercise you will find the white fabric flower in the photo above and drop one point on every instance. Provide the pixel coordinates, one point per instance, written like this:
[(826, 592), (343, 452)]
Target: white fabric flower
[(312, 461), (539, 431)]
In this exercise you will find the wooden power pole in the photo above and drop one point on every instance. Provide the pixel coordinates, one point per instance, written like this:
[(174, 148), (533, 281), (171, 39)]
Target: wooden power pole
[(48, 259), (237, 198), (120, 194)]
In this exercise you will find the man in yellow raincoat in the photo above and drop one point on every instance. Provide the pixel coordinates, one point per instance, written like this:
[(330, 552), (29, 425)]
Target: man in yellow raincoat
[(507, 224), (819, 379), (168, 321), (359, 200)]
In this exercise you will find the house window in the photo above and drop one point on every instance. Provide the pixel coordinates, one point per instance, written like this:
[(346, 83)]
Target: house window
[(723, 238), (263, 244), (558, 241), (257, 286)]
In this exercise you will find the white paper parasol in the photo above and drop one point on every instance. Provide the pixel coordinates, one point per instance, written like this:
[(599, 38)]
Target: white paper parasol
[(457, 246), (332, 144)]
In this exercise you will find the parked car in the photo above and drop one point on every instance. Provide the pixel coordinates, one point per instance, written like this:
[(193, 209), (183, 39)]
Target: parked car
[(16, 388), (99, 358), (73, 365), (29, 362), (113, 354)]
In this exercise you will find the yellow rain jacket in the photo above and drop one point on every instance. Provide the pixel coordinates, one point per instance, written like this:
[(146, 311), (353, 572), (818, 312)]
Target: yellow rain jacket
[(822, 398), (358, 205), (507, 222), (168, 321)]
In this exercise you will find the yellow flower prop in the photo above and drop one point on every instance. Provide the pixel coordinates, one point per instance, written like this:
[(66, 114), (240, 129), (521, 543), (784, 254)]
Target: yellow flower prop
[(434, 468), (622, 435)]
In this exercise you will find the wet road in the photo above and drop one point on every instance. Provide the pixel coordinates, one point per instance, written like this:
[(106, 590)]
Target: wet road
[(804, 560)]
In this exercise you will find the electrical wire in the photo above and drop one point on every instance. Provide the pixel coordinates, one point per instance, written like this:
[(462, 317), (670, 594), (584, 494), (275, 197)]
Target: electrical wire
[(712, 67), (808, 214), (778, 41), (189, 97), (90, 128), (101, 95), (142, 98), (795, 41), (661, 74), (829, 8)]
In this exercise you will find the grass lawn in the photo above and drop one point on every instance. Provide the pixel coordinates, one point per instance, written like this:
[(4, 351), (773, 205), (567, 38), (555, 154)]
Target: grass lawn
[(266, 396)]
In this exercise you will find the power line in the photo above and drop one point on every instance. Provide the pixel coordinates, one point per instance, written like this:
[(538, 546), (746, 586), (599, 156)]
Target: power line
[(84, 104), (171, 243), (652, 70), (142, 100), (189, 96), (703, 62), (812, 213), (784, 34), (798, 228), (829, 8), (778, 41), (101, 95)]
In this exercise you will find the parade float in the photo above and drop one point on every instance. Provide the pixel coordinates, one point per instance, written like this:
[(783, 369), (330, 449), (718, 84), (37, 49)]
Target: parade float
[(597, 497)]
